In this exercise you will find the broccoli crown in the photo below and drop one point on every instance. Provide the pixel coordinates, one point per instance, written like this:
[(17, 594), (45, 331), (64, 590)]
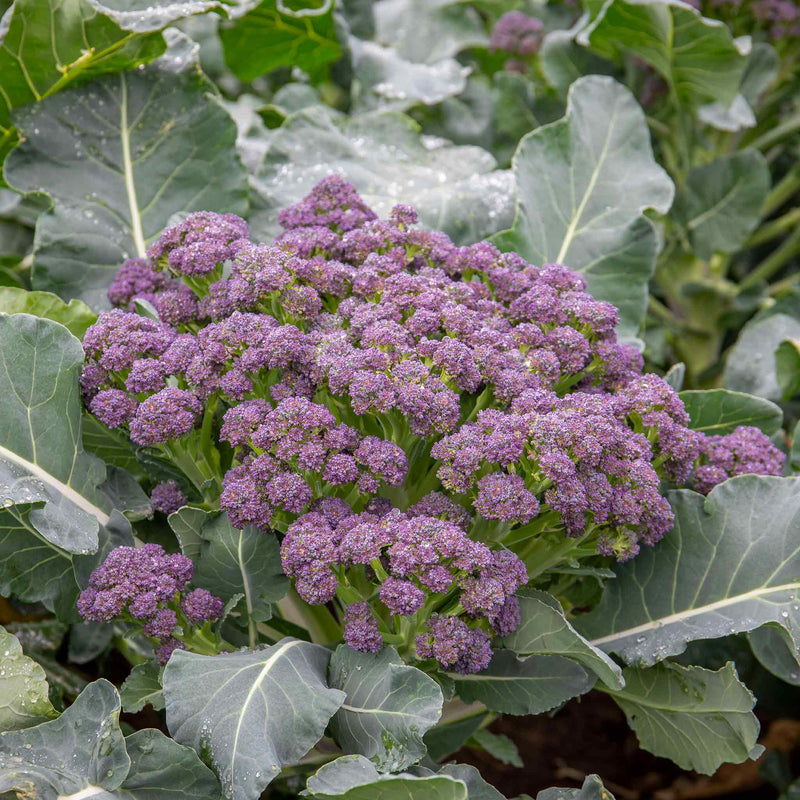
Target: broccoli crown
[(366, 372)]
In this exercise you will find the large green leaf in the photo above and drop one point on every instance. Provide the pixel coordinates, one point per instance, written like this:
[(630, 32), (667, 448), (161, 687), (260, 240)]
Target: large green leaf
[(75, 316), (720, 202), (388, 707), (698, 718), (563, 61), (450, 736), (385, 80), (498, 745), (119, 157), (730, 564), (229, 561), (544, 630), (56, 499), (426, 31), (41, 454), (777, 651), (250, 713), (592, 789), (142, 687), (750, 364), (356, 778), (524, 686), (272, 35), (697, 56), (81, 751), (716, 412), (455, 188), (582, 185), (787, 368), (162, 768), (24, 699), (52, 44)]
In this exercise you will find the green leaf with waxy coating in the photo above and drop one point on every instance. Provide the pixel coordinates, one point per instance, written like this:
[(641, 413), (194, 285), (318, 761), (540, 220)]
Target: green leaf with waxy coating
[(563, 61), (524, 686), (777, 651), (268, 37), (427, 31), (450, 736), (730, 565), (81, 751), (250, 713), (24, 699), (717, 412), (56, 499), (455, 189), (544, 630), (592, 789), (498, 746), (750, 364), (142, 687), (477, 787), (53, 44), (75, 316), (696, 56), (787, 368), (118, 157), (388, 707), (356, 778), (582, 185), (720, 202), (161, 768), (698, 718), (229, 561)]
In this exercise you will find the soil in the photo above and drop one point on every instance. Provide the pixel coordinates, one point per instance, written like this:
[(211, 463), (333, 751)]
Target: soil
[(591, 735)]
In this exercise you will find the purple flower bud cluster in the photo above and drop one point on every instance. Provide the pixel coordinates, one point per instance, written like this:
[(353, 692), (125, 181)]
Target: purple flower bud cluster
[(287, 449), (199, 244), (420, 563), (746, 450), (518, 34), (145, 585), (575, 455), (352, 353), (167, 497)]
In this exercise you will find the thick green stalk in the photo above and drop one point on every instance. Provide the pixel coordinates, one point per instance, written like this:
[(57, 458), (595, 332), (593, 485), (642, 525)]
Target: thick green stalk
[(774, 262)]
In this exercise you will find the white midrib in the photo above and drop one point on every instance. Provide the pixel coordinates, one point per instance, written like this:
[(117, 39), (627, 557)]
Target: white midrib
[(268, 664), (89, 791), (695, 612), (570, 232), (68, 492), (130, 186), (356, 710)]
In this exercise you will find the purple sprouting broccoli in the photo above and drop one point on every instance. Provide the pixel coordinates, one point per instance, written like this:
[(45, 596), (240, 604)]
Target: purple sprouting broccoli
[(404, 411), (167, 497), (199, 244), (744, 451), (421, 564), (519, 35), (148, 587)]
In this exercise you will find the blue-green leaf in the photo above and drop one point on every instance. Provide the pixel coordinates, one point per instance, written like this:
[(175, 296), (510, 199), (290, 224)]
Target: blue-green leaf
[(24, 699), (544, 630), (81, 751), (698, 718), (387, 709), (730, 565), (717, 412), (118, 157), (250, 713), (582, 185), (524, 686)]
